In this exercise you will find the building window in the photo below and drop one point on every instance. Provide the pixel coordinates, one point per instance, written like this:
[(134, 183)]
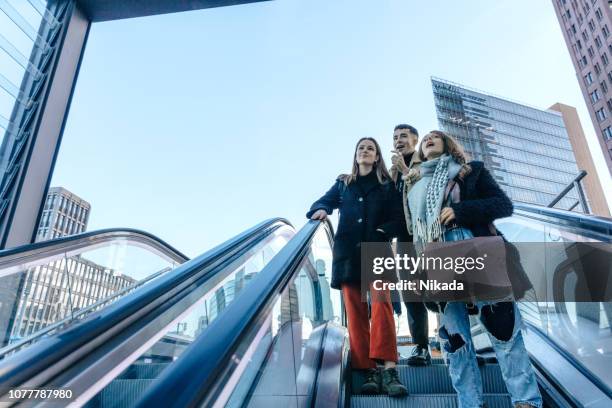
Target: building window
[(596, 67), (591, 25), (609, 103), (579, 44), (594, 96), (598, 42), (601, 115), (583, 62), (605, 31), (598, 14), (585, 36), (591, 52), (567, 13), (604, 86), (588, 78), (604, 59), (607, 132)]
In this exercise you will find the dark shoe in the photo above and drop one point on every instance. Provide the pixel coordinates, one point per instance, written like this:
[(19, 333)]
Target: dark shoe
[(419, 356), (391, 383), (372, 382)]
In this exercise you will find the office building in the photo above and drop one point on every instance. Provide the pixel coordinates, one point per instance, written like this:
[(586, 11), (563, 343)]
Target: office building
[(586, 26), (64, 213), (526, 149)]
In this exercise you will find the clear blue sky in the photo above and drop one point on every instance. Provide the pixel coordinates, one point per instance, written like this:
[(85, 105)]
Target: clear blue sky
[(194, 126)]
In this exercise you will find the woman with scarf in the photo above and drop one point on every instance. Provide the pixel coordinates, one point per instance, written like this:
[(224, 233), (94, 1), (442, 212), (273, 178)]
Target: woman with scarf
[(450, 200), (369, 212)]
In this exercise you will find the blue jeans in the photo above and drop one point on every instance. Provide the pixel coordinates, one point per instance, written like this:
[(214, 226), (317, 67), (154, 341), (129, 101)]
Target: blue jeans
[(509, 347)]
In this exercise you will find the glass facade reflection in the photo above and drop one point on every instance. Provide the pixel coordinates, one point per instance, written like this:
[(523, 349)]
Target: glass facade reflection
[(527, 150), (20, 40)]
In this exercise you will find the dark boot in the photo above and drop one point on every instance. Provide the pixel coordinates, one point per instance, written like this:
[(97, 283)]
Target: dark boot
[(419, 356), (391, 383), (372, 382)]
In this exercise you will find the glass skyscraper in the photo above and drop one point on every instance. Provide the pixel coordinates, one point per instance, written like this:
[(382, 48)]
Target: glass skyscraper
[(526, 149)]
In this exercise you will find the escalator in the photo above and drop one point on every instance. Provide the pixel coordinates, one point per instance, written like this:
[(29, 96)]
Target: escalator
[(254, 322), (152, 323), (280, 345), (60, 281)]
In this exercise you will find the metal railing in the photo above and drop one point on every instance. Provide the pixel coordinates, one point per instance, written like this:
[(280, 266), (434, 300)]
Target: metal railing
[(198, 377), (58, 353)]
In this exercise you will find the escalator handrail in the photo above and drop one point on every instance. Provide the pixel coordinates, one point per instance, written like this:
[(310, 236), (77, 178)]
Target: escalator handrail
[(571, 359), (27, 363), (189, 381), (31, 252), (592, 223)]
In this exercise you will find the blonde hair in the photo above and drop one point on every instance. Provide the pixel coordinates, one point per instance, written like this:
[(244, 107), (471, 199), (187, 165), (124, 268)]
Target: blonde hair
[(382, 174)]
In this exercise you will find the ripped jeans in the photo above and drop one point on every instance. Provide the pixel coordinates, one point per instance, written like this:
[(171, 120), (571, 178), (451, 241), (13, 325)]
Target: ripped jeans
[(502, 320), (503, 323)]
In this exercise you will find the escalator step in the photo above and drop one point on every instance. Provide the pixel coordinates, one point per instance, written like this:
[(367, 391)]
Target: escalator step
[(439, 360), (121, 393), (423, 401), (436, 380), (143, 371), (434, 360)]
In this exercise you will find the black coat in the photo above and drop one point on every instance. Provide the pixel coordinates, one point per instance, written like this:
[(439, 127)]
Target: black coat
[(481, 201), (403, 235), (361, 214)]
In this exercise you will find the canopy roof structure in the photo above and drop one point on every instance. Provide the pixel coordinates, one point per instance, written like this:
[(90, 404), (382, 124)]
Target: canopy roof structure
[(106, 10)]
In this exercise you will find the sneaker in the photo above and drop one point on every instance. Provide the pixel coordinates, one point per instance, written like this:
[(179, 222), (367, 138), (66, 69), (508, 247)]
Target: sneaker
[(419, 356), (391, 383), (372, 382)]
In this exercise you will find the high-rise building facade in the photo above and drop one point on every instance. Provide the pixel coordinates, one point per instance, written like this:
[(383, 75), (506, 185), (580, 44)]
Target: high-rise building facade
[(586, 26), (584, 160), (64, 214), (526, 149)]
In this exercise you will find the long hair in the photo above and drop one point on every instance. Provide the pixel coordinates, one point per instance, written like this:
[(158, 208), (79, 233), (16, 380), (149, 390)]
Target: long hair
[(451, 147), (380, 167)]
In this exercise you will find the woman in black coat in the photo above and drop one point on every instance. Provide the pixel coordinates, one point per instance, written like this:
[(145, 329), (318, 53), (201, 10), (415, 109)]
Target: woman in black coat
[(369, 212), (452, 200)]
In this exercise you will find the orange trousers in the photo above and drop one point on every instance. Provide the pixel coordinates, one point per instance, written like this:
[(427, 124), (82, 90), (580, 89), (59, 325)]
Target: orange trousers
[(370, 341)]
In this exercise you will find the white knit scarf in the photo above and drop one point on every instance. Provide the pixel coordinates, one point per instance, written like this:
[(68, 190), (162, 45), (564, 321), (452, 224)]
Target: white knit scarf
[(426, 198)]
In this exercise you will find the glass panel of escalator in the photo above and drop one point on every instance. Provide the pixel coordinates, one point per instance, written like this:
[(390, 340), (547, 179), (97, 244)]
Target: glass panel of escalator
[(137, 373), (523, 232), (282, 366), (581, 328), (45, 294)]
